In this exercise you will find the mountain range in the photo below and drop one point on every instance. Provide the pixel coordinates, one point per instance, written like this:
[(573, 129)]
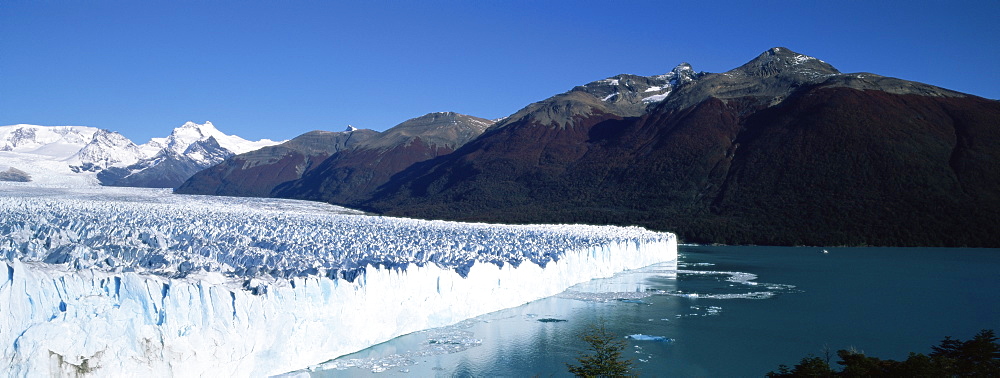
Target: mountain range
[(783, 150), (79, 155), (325, 166)]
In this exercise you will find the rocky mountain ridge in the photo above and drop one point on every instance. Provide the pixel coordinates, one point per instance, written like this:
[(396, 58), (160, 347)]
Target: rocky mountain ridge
[(783, 150), (257, 173), (335, 166)]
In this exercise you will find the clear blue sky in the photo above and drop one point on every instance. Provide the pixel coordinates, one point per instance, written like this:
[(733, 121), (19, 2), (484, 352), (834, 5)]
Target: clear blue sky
[(276, 69)]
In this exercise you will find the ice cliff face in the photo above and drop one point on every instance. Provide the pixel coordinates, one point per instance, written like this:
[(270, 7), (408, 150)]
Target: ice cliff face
[(115, 281)]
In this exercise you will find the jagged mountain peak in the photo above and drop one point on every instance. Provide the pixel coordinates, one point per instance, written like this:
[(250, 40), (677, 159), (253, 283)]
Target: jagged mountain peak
[(207, 152), (780, 60), (623, 95), (205, 128), (684, 66), (681, 74), (105, 149), (109, 137), (681, 70), (190, 132)]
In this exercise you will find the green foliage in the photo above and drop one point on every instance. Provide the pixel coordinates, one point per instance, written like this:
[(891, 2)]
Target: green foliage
[(811, 366), (979, 357), (605, 359)]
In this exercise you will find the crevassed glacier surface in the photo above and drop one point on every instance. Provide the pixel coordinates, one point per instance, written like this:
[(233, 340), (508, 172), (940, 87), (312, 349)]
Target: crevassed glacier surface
[(126, 281)]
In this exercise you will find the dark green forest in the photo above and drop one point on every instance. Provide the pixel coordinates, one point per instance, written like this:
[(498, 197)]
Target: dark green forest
[(977, 357)]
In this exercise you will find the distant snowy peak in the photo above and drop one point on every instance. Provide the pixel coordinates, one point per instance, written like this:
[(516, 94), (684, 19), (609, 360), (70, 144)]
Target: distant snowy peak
[(184, 136), (681, 74), (53, 141), (172, 160), (107, 149), (207, 152), (79, 155)]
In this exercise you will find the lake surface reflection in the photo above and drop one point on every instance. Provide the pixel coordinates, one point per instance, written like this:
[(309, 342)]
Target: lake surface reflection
[(721, 311)]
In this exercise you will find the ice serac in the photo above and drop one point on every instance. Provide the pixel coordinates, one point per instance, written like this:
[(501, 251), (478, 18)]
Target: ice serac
[(111, 281)]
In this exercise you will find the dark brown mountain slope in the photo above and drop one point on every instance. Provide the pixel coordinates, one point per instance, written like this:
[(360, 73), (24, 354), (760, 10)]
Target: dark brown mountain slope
[(352, 175), (782, 150)]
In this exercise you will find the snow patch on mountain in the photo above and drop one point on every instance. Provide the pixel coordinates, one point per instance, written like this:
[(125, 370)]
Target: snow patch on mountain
[(630, 94), (656, 98)]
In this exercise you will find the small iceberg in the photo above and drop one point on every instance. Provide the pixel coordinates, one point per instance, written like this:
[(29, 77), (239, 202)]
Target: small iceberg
[(641, 337)]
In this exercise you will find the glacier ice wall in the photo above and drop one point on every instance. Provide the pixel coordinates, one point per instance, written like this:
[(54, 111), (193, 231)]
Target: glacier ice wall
[(126, 281)]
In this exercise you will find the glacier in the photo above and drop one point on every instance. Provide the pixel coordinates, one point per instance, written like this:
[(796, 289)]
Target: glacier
[(128, 281)]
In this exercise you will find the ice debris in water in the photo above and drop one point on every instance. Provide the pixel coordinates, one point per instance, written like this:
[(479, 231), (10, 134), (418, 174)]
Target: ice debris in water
[(739, 278), (445, 340), (628, 296), (641, 337)]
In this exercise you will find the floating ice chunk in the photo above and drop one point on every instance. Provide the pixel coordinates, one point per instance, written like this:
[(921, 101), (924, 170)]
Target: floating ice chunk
[(684, 295), (641, 337)]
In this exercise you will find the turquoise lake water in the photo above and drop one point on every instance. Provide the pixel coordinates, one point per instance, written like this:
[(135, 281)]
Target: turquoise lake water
[(729, 311)]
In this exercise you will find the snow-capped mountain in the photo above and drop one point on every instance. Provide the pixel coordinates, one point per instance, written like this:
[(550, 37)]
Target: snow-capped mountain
[(41, 153), (55, 141), (189, 133), (84, 156), (106, 149)]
